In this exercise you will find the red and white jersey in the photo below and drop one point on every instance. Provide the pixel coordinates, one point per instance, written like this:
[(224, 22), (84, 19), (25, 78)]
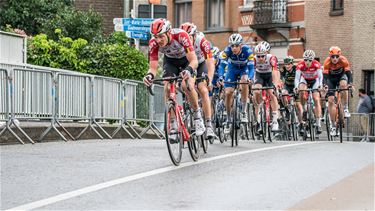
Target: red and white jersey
[(178, 46), (310, 73), (202, 48), (266, 67)]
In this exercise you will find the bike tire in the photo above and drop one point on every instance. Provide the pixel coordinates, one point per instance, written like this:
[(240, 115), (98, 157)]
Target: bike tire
[(340, 121), (328, 124), (263, 123), (174, 149), (293, 123), (194, 144), (269, 119)]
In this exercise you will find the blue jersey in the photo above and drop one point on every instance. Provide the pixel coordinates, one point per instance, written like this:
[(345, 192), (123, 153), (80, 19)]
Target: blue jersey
[(243, 61)]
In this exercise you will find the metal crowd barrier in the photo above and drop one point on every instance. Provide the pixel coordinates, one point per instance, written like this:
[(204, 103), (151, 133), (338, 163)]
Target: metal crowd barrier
[(361, 127), (9, 108), (4, 103), (35, 93), (108, 102)]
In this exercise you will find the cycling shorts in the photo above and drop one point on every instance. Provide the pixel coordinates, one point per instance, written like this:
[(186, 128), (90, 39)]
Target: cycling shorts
[(334, 82), (233, 74), (264, 79)]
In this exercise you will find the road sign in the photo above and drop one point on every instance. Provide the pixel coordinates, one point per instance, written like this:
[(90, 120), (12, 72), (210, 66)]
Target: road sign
[(133, 21), (137, 35), (132, 28)]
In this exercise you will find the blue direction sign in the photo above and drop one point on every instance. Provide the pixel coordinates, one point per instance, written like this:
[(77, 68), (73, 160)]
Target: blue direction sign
[(120, 27), (133, 21), (137, 35)]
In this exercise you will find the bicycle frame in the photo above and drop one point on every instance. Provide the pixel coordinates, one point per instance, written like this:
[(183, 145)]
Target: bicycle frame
[(172, 98)]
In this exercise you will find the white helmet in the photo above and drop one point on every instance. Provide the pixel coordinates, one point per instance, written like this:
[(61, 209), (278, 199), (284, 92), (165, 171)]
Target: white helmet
[(260, 49), (309, 55), (235, 39), (266, 45)]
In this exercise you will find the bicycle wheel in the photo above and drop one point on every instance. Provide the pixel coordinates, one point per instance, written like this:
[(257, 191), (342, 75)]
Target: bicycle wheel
[(293, 123), (263, 122), (328, 125), (252, 120), (219, 116), (234, 123), (269, 118), (204, 143), (174, 147), (194, 144), (340, 120), (311, 124)]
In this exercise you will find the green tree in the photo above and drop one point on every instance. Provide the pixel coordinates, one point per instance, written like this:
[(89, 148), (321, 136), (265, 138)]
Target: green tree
[(30, 15), (75, 24), (44, 16)]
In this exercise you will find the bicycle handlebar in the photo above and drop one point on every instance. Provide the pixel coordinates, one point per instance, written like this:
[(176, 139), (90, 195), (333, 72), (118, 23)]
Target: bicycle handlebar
[(264, 88)]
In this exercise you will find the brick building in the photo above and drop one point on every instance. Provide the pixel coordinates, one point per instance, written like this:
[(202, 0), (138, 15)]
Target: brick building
[(280, 22), (349, 24)]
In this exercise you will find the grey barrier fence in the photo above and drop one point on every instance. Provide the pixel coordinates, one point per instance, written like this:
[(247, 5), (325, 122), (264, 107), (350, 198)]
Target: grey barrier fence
[(4, 104), (36, 93), (361, 127)]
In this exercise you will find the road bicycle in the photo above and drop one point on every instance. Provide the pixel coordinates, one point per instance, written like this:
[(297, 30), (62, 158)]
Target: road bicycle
[(236, 123), (340, 118), (265, 113), (182, 115)]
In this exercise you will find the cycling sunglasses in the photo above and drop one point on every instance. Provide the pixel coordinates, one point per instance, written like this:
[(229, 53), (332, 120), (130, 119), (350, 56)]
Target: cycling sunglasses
[(308, 60), (261, 56), (234, 45), (335, 56)]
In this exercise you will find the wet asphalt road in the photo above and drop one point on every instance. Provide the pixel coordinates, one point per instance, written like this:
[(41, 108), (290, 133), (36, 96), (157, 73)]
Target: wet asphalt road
[(265, 176)]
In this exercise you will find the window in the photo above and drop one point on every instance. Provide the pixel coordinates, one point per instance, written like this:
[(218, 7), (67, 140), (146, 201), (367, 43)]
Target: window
[(369, 82), (337, 4), (182, 12), (215, 14), (248, 3), (337, 7)]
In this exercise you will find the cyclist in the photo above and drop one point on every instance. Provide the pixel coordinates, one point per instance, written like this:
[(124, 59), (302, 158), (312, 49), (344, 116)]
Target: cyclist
[(179, 59), (337, 73), (266, 75), (215, 82), (240, 62), (206, 67), (288, 74), (309, 75)]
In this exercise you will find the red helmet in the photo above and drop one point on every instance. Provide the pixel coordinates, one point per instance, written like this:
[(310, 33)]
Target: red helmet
[(160, 26), (334, 50), (190, 28)]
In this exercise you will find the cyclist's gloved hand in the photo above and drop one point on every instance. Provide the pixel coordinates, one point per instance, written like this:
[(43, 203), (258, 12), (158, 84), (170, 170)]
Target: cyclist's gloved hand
[(186, 74), (296, 90), (147, 80), (220, 81)]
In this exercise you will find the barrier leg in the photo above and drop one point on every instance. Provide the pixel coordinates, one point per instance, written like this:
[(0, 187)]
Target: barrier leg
[(91, 127), (52, 126), (134, 131), (102, 129), (65, 130), (12, 132), (121, 126), (23, 133)]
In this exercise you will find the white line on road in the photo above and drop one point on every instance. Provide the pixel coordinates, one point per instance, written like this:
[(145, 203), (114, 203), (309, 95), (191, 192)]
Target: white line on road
[(100, 186)]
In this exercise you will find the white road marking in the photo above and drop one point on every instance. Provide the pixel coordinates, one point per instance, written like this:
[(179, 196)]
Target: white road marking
[(100, 186)]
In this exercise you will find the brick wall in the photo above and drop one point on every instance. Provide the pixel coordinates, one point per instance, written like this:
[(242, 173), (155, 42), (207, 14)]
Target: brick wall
[(353, 32), (108, 8)]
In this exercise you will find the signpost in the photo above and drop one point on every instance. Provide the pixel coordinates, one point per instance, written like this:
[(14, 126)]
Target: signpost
[(136, 28)]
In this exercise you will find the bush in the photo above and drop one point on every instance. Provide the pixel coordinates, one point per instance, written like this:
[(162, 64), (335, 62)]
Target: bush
[(75, 24), (42, 16), (29, 15), (109, 58)]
